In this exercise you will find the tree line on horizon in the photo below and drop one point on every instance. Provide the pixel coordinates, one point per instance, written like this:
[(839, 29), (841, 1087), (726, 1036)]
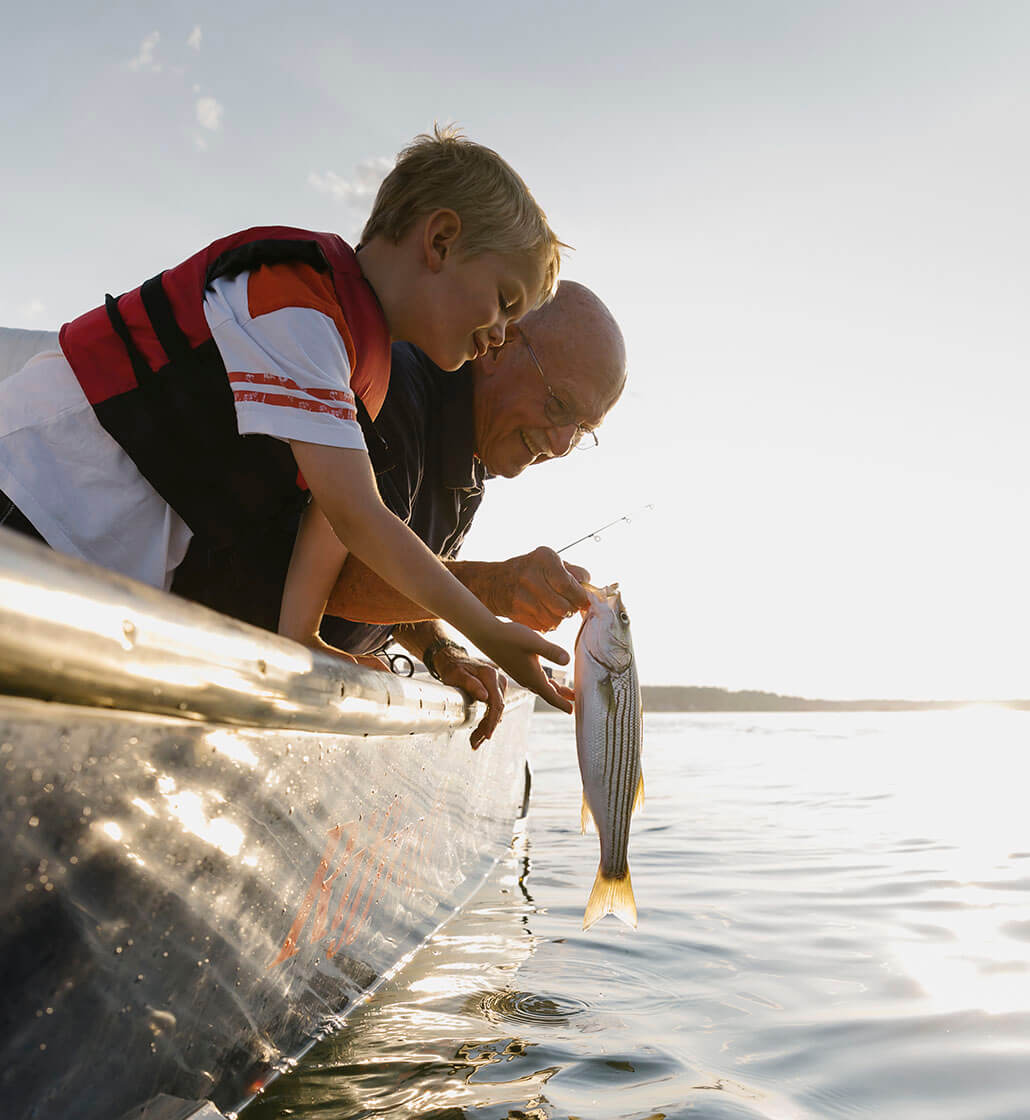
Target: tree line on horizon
[(706, 698)]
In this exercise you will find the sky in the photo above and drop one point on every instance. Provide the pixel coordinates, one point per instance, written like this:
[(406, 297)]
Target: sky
[(809, 218)]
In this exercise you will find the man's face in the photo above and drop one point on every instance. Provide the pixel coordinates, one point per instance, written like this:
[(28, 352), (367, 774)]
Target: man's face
[(514, 408)]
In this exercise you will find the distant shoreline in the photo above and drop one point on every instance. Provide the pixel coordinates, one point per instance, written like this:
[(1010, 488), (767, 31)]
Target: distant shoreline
[(694, 698)]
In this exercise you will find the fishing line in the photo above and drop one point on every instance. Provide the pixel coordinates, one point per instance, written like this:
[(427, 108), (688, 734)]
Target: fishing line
[(595, 534)]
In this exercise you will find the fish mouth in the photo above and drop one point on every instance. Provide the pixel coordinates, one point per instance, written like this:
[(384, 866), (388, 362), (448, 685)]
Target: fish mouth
[(603, 595)]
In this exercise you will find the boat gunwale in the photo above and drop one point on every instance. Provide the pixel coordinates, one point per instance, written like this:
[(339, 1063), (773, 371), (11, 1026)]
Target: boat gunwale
[(78, 634)]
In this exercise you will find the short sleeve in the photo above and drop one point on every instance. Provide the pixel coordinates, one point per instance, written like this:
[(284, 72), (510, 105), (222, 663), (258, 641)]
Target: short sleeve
[(287, 353)]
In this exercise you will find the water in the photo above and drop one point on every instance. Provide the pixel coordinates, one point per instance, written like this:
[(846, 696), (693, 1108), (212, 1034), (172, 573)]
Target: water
[(834, 922)]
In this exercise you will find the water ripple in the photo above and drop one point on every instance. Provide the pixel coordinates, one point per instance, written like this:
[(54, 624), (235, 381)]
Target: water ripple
[(534, 1008)]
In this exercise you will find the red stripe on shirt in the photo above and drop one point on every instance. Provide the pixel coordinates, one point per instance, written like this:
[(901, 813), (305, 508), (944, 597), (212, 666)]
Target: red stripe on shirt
[(243, 396), (240, 377)]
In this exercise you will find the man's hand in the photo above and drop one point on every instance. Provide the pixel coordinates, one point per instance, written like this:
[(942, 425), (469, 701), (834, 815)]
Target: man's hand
[(537, 589), (480, 680)]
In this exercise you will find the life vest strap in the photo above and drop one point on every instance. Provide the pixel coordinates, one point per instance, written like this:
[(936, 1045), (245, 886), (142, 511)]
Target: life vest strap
[(140, 367), (159, 310)]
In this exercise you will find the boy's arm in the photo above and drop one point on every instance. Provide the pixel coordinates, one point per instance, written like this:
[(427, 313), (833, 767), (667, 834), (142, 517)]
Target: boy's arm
[(314, 567), (536, 589), (342, 483)]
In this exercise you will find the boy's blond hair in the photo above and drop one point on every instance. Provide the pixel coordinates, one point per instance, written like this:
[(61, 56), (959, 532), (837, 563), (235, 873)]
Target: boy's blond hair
[(498, 214)]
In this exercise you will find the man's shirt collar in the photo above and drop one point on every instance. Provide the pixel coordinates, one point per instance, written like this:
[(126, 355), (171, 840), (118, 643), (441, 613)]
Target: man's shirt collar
[(459, 467)]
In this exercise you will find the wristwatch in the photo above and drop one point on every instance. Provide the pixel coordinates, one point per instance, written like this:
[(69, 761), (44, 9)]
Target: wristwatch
[(434, 648)]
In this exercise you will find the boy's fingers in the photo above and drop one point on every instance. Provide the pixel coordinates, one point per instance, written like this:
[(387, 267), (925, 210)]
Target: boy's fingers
[(552, 652), (556, 700), (544, 688)]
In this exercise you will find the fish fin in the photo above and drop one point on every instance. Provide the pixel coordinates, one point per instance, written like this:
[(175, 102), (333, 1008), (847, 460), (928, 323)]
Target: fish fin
[(586, 817), (611, 896), (638, 801)]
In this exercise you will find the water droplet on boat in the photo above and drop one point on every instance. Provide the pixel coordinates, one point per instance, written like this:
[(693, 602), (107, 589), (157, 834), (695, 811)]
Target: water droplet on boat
[(128, 634)]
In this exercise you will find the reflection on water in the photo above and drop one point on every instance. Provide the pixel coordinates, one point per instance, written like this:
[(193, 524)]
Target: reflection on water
[(835, 922)]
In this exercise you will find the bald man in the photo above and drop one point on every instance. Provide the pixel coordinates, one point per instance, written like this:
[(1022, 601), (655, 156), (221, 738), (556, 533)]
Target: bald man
[(440, 436)]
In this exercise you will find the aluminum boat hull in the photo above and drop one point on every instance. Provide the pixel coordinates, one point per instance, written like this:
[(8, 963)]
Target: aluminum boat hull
[(214, 842)]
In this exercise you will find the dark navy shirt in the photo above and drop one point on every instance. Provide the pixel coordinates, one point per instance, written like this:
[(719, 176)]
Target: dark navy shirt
[(422, 447), (422, 450)]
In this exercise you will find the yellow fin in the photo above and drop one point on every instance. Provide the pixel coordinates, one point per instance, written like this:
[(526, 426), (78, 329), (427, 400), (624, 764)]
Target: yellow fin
[(611, 896), (638, 801), (586, 817)]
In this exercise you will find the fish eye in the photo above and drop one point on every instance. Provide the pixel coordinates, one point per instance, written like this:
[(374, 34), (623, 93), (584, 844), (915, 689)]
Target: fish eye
[(624, 618)]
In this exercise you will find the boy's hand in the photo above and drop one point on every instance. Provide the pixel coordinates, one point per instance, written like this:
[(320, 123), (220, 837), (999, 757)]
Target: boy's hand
[(517, 650), (480, 680)]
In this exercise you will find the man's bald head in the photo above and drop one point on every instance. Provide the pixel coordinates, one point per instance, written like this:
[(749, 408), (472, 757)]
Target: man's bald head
[(576, 328), (583, 358)]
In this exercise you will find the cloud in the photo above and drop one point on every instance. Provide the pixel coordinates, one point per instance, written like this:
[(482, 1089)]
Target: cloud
[(209, 113), (144, 60), (360, 187), (195, 36)]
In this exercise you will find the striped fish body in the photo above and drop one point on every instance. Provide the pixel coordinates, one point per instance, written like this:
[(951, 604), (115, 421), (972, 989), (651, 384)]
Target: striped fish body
[(608, 742)]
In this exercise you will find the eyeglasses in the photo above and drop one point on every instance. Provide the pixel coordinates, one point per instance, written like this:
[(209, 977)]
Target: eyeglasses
[(557, 412)]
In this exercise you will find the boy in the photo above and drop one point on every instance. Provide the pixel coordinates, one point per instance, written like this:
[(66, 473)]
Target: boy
[(198, 410)]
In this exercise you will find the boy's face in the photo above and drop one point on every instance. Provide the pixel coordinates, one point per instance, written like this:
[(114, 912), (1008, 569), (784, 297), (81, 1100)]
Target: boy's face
[(470, 302)]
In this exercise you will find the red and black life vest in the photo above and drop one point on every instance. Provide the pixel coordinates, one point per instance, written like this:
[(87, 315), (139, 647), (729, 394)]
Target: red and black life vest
[(147, 363)]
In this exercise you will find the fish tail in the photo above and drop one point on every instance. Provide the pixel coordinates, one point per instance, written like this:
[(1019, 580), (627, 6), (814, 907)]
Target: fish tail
[(611, 896)]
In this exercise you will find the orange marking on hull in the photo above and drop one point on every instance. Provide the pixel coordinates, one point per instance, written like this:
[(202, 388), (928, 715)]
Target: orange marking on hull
[(321, 926), (359, 861), (289, 946), (344, 938), (348, 937)]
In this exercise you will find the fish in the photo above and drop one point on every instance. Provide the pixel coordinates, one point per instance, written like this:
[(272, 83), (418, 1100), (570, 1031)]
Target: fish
[(609, 727)]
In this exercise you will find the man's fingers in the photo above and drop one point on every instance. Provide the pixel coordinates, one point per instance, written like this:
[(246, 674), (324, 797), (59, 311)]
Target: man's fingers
[(580, 575), (474, 687), (488, 687), (573, 593), (543, 608)]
